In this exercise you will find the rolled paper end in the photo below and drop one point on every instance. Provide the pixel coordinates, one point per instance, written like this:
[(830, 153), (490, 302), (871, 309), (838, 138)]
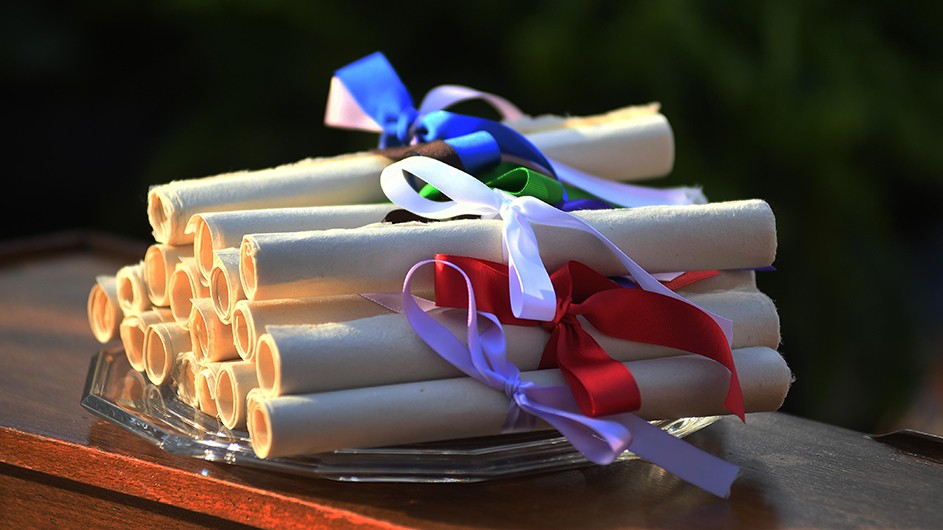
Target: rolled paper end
[(226, 401), (259, 424), (212, 338), (133, 332), (185, 286), (219, 294), (160, 214), (162, 343), (132, 288), (104, 314), (205, 388), (267, 365), (233, 383), (181, 295), (156, 275), (197, 327), (225, 285), (243, 333)]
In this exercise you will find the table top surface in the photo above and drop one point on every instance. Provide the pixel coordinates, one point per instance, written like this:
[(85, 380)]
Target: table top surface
[(795, 472)]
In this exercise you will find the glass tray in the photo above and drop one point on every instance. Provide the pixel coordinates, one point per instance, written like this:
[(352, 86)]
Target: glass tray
[(120, 394)]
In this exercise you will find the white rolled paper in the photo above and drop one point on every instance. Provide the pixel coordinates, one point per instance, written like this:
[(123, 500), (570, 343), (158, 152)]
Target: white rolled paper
[(159, 263), (163, 343), (213, 231), (205, 387), (446, 409), (104, 313), (132, 288), (384, 349), (186, 283), (354, 178), (133, 331), (251, 317), (623, 145), (210, 337), (224, 283), (234, 380), (725, 235)]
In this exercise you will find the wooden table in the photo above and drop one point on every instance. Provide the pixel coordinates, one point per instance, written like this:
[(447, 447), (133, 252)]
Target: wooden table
[(63, 467)]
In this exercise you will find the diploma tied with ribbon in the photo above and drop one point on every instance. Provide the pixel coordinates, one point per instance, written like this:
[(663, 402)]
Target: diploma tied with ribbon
[(601, 440), (368, 95)]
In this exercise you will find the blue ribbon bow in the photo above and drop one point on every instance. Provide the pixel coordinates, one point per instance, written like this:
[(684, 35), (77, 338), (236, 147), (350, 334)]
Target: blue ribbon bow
[(479, 142)]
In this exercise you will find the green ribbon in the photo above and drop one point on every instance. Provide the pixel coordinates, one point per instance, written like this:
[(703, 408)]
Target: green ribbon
[(519, 181)]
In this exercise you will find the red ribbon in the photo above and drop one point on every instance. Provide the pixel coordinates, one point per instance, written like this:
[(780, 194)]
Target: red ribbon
[(600, 384)]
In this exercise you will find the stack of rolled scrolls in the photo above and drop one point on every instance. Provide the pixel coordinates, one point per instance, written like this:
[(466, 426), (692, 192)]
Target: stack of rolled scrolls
[(469, 277)]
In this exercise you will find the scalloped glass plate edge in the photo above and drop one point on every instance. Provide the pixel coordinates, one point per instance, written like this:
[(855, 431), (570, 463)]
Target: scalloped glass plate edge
[(116, 392)]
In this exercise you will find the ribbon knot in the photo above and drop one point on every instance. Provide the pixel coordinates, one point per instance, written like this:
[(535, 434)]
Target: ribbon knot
[(517, 419), (563, 315), (400, 127)]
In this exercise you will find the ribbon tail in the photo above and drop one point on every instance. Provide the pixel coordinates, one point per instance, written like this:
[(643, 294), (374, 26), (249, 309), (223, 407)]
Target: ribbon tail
[(344, 112), (600, 385), (627, 195), (602, 440), (680, 458), (532, 294)]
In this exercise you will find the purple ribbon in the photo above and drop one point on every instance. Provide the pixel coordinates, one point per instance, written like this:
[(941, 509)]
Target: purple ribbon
[(601, 440)]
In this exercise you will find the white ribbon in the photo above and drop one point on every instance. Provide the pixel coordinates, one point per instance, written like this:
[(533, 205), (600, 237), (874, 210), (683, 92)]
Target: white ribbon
[(532, 294)]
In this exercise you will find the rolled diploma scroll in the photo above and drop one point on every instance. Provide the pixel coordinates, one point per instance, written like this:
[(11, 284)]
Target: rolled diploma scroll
[(133, 331), (354, 178), (211, 339), (186, 283), (132, 288), (159, 263), (384, 349), (213, 231), (225, 286), (626, 144), (446, 409), (163, 343), (104, 313), (251, 317), (234, 380), (205, 387), (723, 235)]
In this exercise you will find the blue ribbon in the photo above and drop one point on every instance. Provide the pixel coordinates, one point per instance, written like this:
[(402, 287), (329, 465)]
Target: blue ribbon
[(379, 92)]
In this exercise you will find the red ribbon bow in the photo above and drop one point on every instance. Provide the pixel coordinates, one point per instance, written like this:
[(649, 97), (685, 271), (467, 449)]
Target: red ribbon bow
[(600, 384)]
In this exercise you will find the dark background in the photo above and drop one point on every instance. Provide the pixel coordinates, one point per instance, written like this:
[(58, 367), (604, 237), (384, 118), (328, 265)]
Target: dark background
[(830, 111)]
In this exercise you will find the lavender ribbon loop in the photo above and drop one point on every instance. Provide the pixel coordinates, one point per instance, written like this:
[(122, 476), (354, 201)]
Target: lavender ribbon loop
[(601, 440)]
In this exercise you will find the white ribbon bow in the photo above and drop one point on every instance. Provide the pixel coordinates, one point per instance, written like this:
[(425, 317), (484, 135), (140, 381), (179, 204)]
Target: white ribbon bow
[(532, 293)]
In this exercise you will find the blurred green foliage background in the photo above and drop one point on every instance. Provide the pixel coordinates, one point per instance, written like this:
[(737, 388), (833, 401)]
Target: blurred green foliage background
[(830, 111)]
